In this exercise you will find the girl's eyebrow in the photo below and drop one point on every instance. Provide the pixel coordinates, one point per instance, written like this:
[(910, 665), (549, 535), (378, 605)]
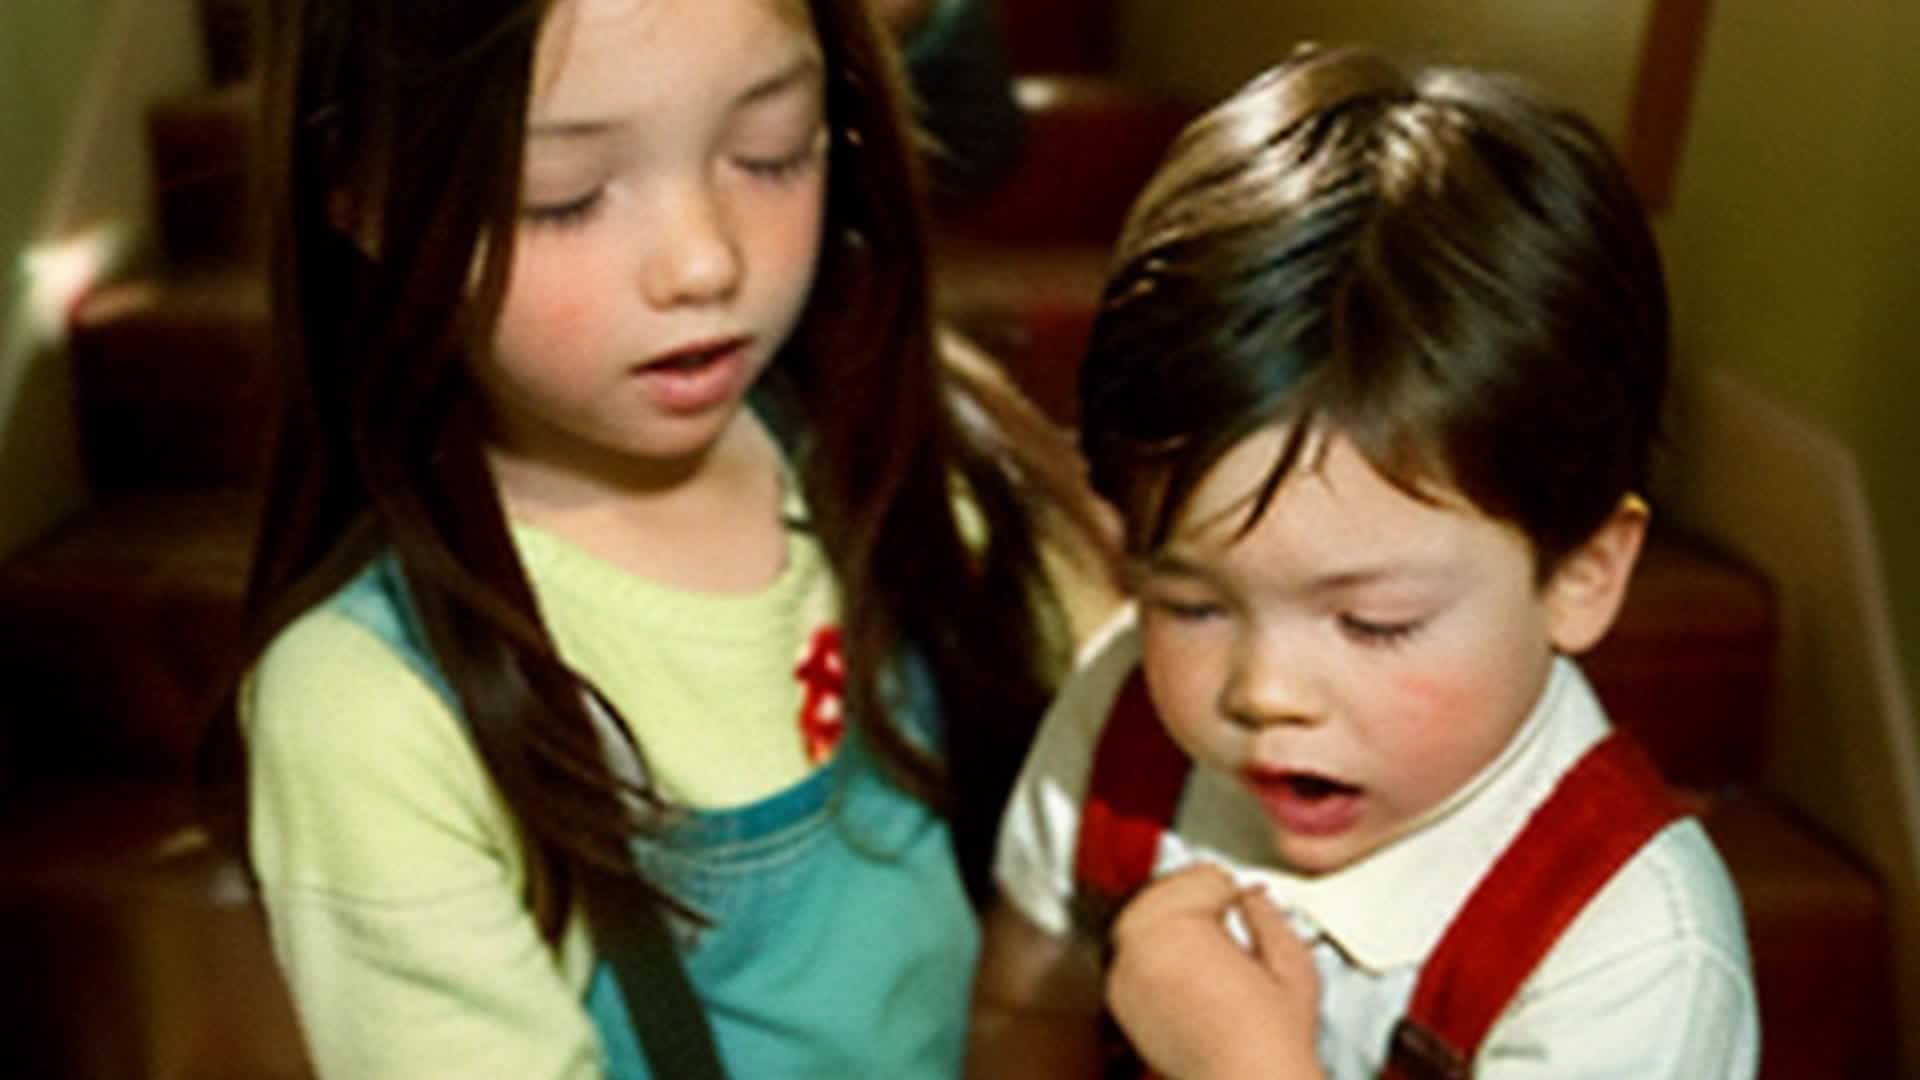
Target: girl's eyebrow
[(1167, 564), (802, 69)]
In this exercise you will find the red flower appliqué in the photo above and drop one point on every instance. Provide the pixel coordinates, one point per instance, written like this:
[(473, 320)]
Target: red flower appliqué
[(823, 676)]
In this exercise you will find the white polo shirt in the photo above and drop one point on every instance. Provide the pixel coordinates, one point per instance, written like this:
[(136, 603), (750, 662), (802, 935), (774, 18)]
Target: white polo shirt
[(1652, 979)]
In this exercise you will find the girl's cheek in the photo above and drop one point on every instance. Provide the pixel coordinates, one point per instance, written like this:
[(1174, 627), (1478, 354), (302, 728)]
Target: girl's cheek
[(546, 310)]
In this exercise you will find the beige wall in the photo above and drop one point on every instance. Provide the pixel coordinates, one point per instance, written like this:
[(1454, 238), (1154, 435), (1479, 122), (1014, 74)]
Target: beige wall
[(1793, 236), (46, 47), (1791, 247), (75, 79), (1581, 50)]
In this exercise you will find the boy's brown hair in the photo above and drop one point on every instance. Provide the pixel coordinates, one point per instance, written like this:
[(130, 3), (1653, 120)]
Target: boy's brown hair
[(1433, 263)]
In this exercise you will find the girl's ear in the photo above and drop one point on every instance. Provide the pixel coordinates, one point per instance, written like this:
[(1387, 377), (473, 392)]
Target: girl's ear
[(1586, 590)]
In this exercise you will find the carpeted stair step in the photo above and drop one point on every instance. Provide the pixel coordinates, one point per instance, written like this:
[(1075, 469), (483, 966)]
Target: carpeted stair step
[(1091, 143), (171, 383), (135, 950), (1056, 36), (199, 146), (114, 629), (1688, 667), (1818, 925), (1031, 308)]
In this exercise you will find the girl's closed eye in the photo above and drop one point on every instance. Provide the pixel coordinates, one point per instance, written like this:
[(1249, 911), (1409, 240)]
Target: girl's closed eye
[(789, 165), (1180, 603), (564, 213)]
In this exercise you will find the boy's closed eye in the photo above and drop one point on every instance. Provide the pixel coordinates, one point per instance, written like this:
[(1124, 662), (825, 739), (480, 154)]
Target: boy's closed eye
[(1379, 632)]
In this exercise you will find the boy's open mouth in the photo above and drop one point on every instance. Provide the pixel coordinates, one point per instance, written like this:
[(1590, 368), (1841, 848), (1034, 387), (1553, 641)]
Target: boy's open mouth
[(1312, 788), (1307, 803)]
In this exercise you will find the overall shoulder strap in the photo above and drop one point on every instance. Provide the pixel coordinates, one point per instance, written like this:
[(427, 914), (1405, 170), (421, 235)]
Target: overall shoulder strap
[(669, 1021), (628, 928), (1132, 792), (1602, 811)]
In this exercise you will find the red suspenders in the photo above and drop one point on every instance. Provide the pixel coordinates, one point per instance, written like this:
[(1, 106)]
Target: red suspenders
[(1602, 811)]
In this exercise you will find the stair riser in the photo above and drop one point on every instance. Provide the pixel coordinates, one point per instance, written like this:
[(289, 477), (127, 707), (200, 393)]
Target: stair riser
[(1091, 145), (199, 149), (127, 981), (114, 631), (1057, 35), (173, 388), (1699, 710), (1818, 926), (109, 690)]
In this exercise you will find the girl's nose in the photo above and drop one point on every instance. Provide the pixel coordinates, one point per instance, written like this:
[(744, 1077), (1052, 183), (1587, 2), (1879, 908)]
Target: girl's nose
[(695, 256)]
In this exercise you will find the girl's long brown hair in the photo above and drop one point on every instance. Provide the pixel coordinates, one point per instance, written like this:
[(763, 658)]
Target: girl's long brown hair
[(392, 155)]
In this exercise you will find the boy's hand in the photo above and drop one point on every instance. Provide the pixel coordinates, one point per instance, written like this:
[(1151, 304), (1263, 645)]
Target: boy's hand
[(1195, 1003)]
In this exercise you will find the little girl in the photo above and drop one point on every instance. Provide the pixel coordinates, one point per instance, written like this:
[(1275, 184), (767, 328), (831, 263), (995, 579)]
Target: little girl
[(632, 550)]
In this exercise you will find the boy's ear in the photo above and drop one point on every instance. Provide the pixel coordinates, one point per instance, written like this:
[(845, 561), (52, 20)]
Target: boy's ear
[(1586, 590)]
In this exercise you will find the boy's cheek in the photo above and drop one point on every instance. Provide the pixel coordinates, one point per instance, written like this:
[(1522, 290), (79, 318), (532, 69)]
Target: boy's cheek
[(1433, 697), (1433, 716)]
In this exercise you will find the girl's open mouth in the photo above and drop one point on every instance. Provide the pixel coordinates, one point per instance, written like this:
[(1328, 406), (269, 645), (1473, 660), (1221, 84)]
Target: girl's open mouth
[(699, 377), (692, 359)]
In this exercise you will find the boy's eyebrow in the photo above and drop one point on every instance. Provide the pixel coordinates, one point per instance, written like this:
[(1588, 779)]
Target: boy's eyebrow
[(801, 69), (1172, 564)]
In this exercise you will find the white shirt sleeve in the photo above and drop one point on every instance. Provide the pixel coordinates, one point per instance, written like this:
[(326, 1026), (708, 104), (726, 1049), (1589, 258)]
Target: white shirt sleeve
[(1033, 862)]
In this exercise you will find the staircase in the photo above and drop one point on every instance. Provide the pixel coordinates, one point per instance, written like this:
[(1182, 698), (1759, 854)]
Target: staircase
[(135, 950)]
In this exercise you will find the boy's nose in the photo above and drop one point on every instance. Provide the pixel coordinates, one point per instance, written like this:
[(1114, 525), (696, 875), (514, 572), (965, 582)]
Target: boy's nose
[(695, 257), (1269, 685)]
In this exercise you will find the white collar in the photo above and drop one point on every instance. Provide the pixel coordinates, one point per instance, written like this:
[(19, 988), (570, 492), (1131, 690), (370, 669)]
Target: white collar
[(1390, 909)]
